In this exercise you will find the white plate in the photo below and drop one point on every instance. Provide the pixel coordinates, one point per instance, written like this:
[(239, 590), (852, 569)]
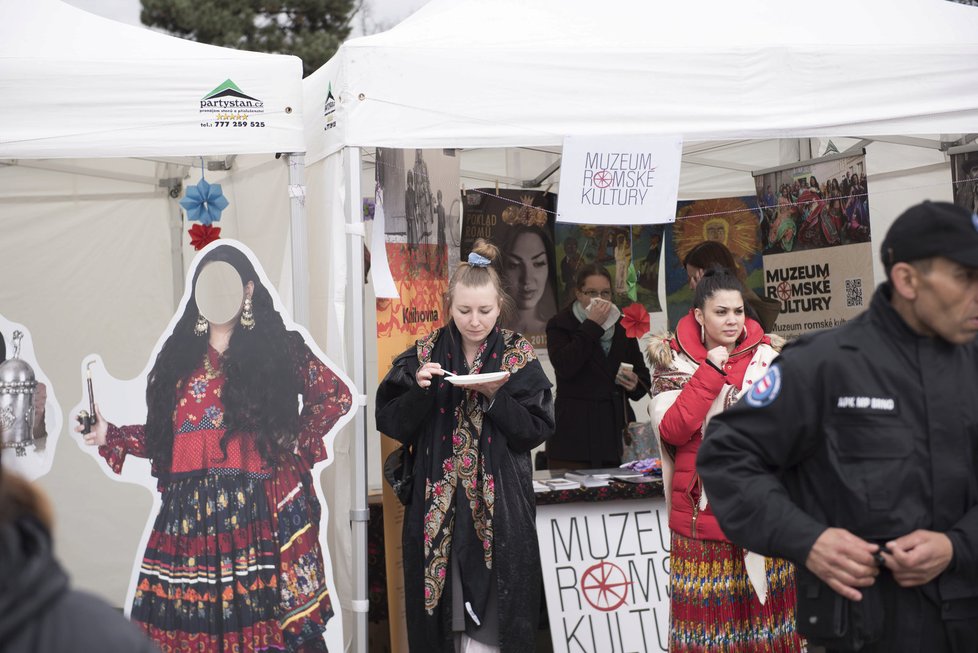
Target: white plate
[(470, 379)]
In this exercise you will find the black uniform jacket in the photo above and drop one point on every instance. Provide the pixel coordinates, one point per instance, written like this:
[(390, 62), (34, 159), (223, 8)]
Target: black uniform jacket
[(590, 407), (868, 427)]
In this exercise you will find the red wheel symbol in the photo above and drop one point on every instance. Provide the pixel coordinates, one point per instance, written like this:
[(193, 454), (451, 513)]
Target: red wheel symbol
[(602, 179), (605, 586), (784, 290)]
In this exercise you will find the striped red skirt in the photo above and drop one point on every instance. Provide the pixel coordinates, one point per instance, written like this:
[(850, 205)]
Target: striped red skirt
[(714, 608)]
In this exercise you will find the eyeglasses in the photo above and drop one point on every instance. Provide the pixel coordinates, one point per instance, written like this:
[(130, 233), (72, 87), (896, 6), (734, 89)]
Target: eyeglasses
[(603, 294)]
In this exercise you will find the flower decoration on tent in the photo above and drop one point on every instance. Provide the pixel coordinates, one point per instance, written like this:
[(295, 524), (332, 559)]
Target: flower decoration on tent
[(204, 202), (202, 234), (635, 319)]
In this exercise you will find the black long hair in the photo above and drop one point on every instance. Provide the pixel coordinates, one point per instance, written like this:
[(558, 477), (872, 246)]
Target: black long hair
[(261, 367), (721, 278)]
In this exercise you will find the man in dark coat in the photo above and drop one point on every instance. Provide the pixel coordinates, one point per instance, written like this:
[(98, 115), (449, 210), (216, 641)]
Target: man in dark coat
[(856, 457), (39, 612)]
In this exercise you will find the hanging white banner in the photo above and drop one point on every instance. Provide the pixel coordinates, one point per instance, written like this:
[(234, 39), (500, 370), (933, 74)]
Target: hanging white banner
[(619, 179)]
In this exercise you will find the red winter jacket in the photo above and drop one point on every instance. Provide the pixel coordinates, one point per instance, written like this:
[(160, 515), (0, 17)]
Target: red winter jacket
[(682, 424)]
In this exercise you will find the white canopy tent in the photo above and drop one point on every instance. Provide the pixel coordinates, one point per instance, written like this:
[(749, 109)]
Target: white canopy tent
[(730, 77), (101, 126)]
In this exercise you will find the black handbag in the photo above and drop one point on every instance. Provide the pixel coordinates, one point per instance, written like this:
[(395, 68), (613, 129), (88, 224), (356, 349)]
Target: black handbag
[(399, 473)]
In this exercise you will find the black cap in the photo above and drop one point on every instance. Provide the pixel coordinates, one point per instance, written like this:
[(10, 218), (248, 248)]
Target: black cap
[(932, 229)]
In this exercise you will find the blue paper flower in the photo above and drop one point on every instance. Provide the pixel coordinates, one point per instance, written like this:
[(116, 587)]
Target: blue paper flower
[(204, 202)]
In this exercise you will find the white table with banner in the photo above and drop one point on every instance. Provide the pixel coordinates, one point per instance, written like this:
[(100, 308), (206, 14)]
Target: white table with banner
[(605, 558)]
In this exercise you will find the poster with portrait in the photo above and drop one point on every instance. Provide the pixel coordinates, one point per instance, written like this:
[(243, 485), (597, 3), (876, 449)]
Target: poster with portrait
[(630, 254), (421, 205), (30, 416), (818, 256), (732, 221), (521, 224), (228, 426), (964, 175)]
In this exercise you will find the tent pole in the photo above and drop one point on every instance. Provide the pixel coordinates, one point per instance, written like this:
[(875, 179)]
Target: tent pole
[(299, 237), (359, 514)]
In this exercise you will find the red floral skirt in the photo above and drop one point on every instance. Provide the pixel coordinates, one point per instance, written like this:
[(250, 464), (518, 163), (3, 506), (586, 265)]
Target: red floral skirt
[(234, 564), (714, 608)]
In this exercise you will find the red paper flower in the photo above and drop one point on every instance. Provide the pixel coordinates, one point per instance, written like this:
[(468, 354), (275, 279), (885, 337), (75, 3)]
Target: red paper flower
[(202, 234), (635, 319)]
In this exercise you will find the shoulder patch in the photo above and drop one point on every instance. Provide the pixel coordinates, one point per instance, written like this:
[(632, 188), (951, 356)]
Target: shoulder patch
[(766, 389)]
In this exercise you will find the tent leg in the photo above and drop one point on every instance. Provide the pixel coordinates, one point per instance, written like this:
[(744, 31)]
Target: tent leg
[(360, 514), (299, 237)]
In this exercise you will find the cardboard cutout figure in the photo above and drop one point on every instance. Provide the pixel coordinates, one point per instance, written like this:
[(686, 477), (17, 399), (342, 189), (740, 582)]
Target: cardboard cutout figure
[(30, 417), (240, 410)]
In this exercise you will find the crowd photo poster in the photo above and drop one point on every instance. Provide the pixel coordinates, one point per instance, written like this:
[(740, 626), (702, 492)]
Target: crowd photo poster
[(818, 258)]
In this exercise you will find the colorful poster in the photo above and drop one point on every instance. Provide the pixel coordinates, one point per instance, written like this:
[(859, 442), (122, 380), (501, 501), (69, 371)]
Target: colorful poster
[(420, 275), (630, 254), (732, 221), (821, 203), (619, 179), (964, 175), (521, 224), (606, 575), (818, 258)]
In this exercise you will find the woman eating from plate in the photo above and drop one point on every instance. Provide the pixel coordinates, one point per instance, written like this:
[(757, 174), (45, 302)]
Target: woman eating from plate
[(472, 577)]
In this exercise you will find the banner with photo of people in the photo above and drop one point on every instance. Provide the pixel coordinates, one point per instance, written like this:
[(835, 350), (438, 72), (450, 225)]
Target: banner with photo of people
[(521, 224), (964, 175), (419, 190), (630, 254), (420, 206), (731, 221), (818, 258)]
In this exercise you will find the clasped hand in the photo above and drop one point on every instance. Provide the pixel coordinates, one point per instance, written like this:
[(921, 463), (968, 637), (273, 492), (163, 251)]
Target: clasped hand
[(846, 562)]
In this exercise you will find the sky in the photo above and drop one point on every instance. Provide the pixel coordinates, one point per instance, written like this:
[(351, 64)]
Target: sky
[(382, 14)]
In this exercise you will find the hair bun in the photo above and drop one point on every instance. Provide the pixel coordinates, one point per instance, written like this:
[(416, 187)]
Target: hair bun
[(484, 248)]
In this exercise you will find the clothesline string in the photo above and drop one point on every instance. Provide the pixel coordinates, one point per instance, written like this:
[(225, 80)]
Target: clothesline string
[(760, 207)]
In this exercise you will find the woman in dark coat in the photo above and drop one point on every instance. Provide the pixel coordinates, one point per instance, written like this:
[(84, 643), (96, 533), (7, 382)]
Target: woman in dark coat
[(591, 407), (471, 565)]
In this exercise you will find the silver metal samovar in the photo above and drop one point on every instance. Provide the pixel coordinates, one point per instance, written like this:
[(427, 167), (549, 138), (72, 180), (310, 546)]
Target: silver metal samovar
[(17, 388)]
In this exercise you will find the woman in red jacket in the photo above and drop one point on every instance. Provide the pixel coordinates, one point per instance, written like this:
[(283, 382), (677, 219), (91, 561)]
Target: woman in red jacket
[(723, 598)]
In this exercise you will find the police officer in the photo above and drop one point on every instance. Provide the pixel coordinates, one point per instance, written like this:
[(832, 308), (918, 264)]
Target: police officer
[(856, 456)]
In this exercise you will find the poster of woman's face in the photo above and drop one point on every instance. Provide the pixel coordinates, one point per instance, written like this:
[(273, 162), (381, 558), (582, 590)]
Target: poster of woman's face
[(30, 417), (521, 225)]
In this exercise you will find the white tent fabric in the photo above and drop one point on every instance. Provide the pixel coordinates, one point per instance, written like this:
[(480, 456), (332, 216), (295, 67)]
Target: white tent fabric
[(462, 74), (77, 85), (524, 73), (93, 248)]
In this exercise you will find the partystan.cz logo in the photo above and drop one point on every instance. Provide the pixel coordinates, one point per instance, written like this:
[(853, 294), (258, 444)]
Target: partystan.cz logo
[(229, 106)]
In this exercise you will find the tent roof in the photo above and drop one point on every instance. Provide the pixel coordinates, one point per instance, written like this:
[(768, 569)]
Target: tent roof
[(77, 85), (461, 73)]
